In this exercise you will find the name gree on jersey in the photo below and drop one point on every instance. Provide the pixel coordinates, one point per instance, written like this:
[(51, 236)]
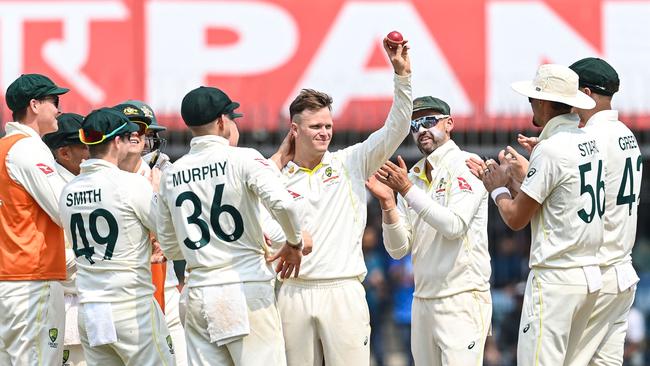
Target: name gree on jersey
[(588, 148), (627, 142), (200, 173), (84, 197)]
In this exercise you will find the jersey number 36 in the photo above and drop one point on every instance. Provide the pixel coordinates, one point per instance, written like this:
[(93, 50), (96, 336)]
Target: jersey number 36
[(215, 211)]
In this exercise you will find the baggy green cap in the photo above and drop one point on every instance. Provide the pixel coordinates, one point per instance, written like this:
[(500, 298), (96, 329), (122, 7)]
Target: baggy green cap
[(28, 87), (148, 112), (205, 104), (432, 103), (597, 75), (106, 121), (68, 132)]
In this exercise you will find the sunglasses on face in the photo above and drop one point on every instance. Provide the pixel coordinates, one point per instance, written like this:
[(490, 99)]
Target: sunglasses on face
[(426, 122), (142, 128), (54, 99), (92, 137)]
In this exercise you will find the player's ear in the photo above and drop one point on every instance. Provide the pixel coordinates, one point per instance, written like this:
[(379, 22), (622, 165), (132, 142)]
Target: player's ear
[(449, 124), (294, 128)]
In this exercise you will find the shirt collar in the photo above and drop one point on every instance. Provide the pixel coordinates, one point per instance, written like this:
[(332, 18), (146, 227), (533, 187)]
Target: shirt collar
[(292, 168), (201, 142), (608, 115), (95, 165), (63, 172), (559, 123), (144, 168), (17, 127)]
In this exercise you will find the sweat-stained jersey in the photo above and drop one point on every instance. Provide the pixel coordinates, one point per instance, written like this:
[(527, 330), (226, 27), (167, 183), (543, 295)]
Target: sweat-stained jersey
[(208, 212), (107, 216)]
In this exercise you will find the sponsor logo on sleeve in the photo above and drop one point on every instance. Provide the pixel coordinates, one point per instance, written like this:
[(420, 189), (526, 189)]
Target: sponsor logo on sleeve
[(531, 172), (46, 169)]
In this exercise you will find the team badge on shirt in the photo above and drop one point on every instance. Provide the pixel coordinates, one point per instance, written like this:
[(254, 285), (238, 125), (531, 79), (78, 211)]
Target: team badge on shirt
[(169, 344), (330, 176), (53, 333), (463, 185)]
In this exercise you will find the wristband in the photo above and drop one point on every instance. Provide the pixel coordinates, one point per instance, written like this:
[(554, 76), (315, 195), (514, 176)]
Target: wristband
[(388, 210), (498, 191), (295, 246)]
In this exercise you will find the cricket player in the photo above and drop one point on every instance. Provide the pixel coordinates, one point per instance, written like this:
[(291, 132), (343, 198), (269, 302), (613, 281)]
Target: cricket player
[(69, 153), (604, 337), (208, 213), (107, 215), (32, 249), (324, 310), (147, 147), (562, 196), (441, 218)]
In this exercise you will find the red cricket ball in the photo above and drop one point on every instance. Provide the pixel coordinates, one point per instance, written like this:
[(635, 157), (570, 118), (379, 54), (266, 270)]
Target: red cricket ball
[(395, 37)]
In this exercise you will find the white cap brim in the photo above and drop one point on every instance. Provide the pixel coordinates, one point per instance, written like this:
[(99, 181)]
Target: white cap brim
[(580, 100)]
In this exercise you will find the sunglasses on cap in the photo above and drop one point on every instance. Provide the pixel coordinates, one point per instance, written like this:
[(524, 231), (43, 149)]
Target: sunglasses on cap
[(92, 137), (426, 122), (142, 127)]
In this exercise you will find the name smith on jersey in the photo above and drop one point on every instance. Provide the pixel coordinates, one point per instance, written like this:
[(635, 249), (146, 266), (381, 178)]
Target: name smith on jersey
[(84, 197)]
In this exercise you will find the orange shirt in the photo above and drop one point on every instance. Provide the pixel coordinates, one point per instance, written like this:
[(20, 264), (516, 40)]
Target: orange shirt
[(31, 244)]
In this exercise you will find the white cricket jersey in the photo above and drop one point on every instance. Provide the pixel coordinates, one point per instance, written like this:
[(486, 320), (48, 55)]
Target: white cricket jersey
[(209, 212), (30, 164), (69, 286), (332, 197), (145, 170), (448, 258), (107, 214), (565, 176), (623, 172)]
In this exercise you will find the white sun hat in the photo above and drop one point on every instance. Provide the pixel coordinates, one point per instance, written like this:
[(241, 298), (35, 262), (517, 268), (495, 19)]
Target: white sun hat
[(556, 83)]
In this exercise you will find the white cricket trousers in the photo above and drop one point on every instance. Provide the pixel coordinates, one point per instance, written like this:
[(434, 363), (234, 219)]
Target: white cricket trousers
[(325, 319), (603, 341), (142, 336), (451, 330), (173, 320), (32, 323), (554, 315), (263, 346)]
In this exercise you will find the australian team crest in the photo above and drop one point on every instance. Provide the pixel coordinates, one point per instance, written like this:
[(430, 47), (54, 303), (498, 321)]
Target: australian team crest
[(53, 333), (66, 355), (169, 344), (328, 171), (130, 111)]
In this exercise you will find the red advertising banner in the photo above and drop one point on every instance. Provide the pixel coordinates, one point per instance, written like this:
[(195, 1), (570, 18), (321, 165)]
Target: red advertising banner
[(263, 52)]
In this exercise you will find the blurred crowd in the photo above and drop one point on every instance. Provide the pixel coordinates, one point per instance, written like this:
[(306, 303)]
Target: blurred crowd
[(389, 291)]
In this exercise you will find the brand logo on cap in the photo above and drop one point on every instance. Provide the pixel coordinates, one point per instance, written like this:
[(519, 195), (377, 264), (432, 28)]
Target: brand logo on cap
[(537, 88), (130, 111)]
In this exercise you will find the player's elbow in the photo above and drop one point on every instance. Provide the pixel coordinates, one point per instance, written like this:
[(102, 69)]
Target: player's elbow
[(516, 223)]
